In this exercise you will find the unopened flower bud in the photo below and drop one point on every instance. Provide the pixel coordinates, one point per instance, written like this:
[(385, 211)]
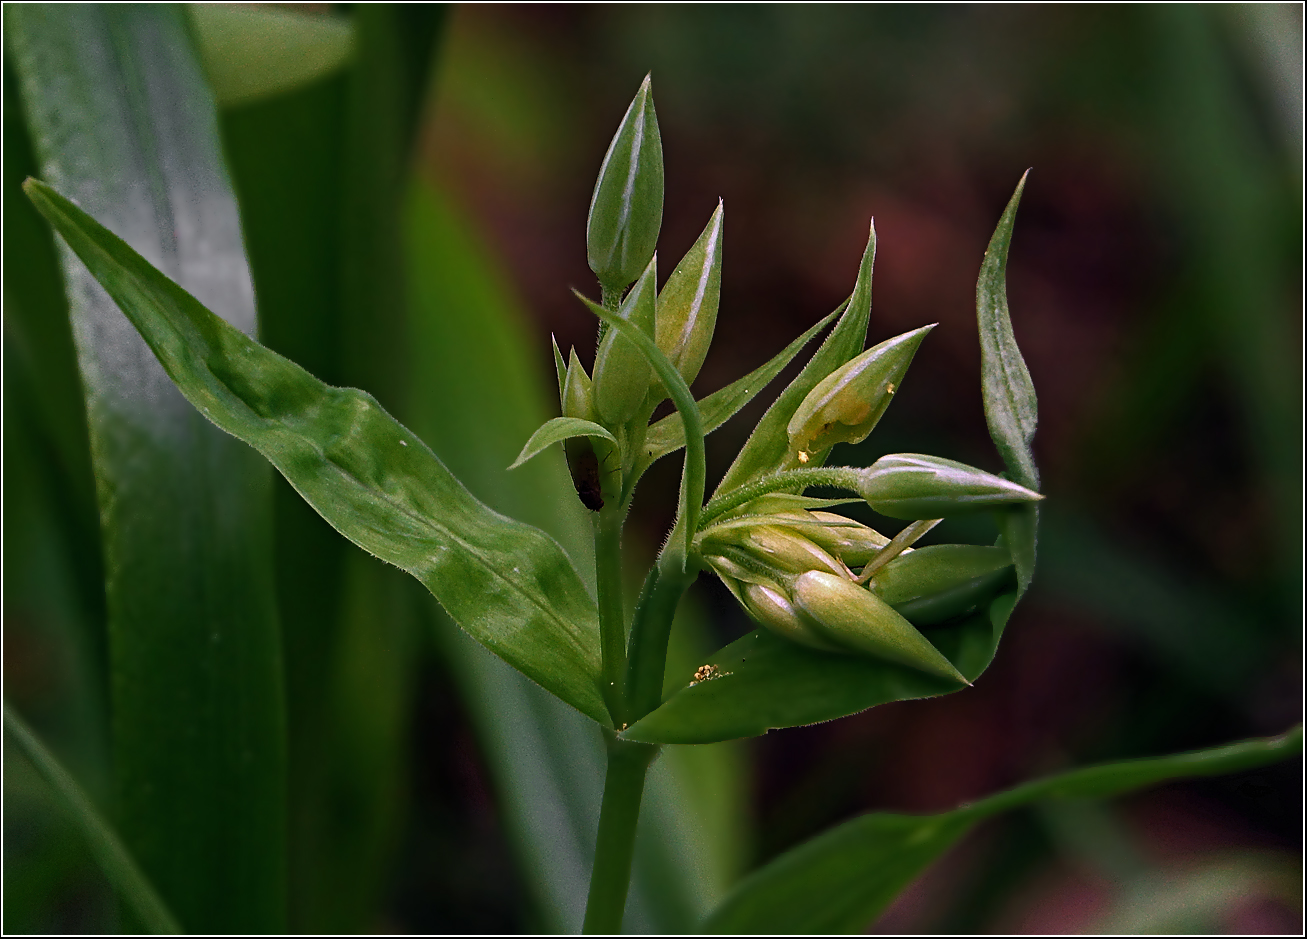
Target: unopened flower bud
[(622, 374), (942, 582), (858, 620), (852, 542), (586, 456), (626, 210), (848, 403), (772, 609), (687, 305), (786, 551), (912, 486)]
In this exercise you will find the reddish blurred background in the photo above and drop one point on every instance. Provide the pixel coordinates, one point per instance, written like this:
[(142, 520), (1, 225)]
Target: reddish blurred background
[(1155, 283)]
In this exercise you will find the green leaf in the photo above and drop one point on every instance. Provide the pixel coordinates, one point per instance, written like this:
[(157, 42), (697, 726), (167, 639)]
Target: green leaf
[(761, 682), (106, 847), (668, 435), (508, 584), (560, 366), (768, 447), (841, 880), (626, 210), (122, 118), (556, 431), (1011, 410), (252, 53)]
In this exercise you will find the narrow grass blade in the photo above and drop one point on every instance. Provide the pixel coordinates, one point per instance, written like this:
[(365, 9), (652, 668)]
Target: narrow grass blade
[(107, 848), (841, 880), (121, 118)]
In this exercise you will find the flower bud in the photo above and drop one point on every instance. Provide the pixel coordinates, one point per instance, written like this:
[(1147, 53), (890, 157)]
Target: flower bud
[(787, 551), (622, 375), (847, 404), (687, 305), (770, 608), (858, 620), (912, 486), (582, 457), (626, 210), (852, 542), (942, 582)]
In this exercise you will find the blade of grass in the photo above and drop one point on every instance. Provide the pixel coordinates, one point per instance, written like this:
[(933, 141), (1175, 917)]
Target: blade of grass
[(107, 848), (122, 118)]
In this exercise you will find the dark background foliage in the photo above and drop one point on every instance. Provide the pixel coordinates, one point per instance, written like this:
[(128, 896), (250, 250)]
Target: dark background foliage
[(1155, 284)]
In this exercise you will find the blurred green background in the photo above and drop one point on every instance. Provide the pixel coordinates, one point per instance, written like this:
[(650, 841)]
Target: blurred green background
[(1156, 288)]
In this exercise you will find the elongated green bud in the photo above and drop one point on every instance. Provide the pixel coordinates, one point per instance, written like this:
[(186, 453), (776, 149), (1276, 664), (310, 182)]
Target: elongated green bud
[(582, 457), (847, 404), (942, 582), (626, 210), (770, 607), (787, 551), (622, 375), (858, 620), (913, 485), (687, 305), (852, 542)]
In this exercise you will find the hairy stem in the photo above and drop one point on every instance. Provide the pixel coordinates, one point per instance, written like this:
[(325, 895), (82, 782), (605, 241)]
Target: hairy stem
[(650, 631), (612, 624), (609, 880), (838, 477)]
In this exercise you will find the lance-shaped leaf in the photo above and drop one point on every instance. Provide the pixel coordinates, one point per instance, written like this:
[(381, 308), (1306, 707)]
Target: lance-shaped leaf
[(556, 431), (508, 584), (687, 304), (761, 682), (914, 485), (106, 847), (626, 210), (768, 447), (841, 880), (1011, 410), (668, 435), (122, 119)]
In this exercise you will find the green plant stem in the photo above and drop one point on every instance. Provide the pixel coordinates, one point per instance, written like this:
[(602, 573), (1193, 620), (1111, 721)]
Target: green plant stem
[(837, 477), (628, 764), (612, 623), (650, 630)]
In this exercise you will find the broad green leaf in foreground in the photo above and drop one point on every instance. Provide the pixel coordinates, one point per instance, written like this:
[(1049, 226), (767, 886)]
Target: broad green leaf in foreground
[(106, 847), (508, 584), (1011, 409), (761, 682), (841, 880), (668, 435), (122, 119)]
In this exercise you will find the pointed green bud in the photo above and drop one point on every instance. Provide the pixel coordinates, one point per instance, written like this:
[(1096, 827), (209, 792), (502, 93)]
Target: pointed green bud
[(622, 374), (847, 404), (769, 607), (626, 210), (944, 581), (787, 551), (913, 485), (858, 620), (852, 542), (586, 456), (687, 305)]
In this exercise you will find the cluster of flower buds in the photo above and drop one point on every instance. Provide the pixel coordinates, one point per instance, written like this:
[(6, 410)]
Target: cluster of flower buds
[(790, 569)]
